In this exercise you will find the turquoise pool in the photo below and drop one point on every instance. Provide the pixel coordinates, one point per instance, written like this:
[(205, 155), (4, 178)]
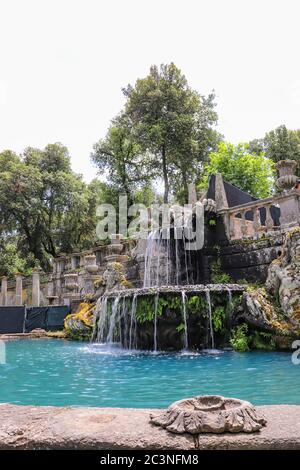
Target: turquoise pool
[(56, 372)]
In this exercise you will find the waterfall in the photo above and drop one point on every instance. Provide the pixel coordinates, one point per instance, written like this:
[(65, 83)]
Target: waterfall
[(207, 293), (168, 256), (155, 322), (186, 343), (185, 260), (102, 318), (132, 319), (230, 304), (158, 258), (122, 317), (177, 256), (152, 240), (148, 260), (112, 321)]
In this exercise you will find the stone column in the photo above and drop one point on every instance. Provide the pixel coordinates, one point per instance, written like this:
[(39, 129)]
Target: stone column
[(19, 290), (256, 219), (4, 290), (36, 288), (232, 225), (244, 227), (269, 220)]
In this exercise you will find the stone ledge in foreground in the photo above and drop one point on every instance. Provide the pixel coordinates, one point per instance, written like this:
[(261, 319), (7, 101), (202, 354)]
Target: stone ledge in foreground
[(47, 427)]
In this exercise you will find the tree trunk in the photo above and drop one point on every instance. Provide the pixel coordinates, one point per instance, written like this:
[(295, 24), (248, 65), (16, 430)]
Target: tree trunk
[(165, 175)]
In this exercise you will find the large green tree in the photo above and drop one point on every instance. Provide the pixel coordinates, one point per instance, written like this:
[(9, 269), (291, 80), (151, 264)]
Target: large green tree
[(48, 206), (251, 172), (120, 158), (279, 144), (173, 125)]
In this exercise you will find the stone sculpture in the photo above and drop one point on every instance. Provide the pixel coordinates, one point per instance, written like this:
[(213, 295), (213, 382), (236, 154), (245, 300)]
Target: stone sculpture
[(210, 414)]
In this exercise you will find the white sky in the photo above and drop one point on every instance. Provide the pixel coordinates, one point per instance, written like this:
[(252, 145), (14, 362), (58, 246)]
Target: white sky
[(63, 63)]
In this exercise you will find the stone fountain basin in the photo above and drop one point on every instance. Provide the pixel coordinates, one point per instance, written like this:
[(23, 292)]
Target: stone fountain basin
[(210, 414)]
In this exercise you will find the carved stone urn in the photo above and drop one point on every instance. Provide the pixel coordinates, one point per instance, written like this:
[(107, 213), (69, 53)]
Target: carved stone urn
[(210, 414), (115, 248), (71, 281), (287, 179), (90, 264)]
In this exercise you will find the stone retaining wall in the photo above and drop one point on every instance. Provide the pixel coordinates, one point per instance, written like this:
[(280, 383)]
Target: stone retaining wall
[(46, 427)]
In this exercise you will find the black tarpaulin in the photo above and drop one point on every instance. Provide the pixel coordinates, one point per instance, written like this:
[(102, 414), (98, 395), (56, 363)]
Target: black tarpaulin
[(56, 316), (47, 318), (11, 319), (36, 317)]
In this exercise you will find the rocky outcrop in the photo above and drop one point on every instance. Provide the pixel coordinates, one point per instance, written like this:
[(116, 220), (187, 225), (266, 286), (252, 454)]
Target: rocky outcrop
[(209, 414), (284, 277), (79, 325), (276, 307)]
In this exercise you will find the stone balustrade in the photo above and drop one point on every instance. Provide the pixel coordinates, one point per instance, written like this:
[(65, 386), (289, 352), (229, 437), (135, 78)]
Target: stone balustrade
[(261, 216)]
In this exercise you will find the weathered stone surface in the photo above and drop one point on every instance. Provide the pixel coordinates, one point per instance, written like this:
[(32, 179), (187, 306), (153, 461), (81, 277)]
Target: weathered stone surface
[(283, 283), (29, 427), (284, 277), (210, 414)]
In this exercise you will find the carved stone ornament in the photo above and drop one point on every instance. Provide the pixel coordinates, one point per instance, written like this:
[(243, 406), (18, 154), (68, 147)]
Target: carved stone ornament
[(209, 414)]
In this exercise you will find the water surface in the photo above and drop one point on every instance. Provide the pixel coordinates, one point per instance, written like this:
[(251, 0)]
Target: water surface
[(61, 373)]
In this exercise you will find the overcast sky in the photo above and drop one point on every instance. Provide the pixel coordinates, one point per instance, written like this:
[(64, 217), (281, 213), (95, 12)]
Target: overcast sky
[(63, 64)]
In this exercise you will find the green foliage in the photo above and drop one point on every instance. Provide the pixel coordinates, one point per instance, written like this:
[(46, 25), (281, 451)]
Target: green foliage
[(196, 304), (169, 121), (10, 261), (262, 341), (146, 307), (44, 204), (180, 328), (120, 156), (253, 173), (218, 317), (239, 339), (217, 276), (279, 144)]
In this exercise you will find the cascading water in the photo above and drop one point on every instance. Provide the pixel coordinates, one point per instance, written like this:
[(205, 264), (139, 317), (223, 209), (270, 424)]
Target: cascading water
[(102, 314), (168, 246), (151, 243), (207, 294), (230, 303), (158, 257), (132, 322), (168, 256), (112, 322), (177, 255), (185, 343), (185, 260), (155, 322), (117, 320)]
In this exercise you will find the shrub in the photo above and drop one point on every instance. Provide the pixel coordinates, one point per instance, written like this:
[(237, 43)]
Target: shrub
[(239, 339)]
